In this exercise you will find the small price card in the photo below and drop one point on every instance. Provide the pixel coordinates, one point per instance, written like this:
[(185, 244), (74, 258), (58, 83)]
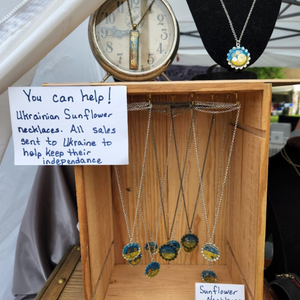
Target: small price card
[(211, 291), (81, 125)]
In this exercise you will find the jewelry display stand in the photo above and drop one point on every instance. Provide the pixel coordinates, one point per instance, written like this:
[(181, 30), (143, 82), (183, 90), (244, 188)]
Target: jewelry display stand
[(217, 36), (241, 224)]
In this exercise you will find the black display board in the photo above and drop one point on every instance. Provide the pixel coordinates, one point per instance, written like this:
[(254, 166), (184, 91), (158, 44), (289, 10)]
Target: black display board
[(216, 34)]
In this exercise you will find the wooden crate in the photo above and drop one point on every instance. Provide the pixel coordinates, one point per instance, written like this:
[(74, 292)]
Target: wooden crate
[(241, 225)]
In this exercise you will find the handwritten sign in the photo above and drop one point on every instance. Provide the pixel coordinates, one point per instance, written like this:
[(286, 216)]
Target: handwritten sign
[(211, 291), (69, 125)]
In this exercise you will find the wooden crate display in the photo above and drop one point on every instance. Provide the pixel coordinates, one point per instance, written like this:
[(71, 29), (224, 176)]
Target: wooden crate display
[(241, 224)]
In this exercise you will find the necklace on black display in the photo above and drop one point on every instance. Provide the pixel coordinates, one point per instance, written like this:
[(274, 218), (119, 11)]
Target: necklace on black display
[(287, 158), (238, 57)]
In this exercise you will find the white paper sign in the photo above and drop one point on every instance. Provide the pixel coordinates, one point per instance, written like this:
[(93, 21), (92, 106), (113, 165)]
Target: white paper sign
[(69, 125), (211, 291)]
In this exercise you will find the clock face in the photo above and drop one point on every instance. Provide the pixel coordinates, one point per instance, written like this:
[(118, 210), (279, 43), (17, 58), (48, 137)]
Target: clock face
[(111, 38)]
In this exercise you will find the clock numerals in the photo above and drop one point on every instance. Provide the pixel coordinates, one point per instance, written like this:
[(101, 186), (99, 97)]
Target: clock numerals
[(160, 18), (134, 4), (150, 59), (120, 56), (120, 7), (164, 35), (109, 47), (104, 32), (110, 18), (160, 48), (139, 54)]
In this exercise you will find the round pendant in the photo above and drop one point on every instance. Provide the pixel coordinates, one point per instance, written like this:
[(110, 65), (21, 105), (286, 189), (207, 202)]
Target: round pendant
[(136, 261), (131, 251), (210, 252), (151, 247), (175, 244), (188, 250), (238, 57), (152, 269), (168, 252), (189, 240), (208, 276)]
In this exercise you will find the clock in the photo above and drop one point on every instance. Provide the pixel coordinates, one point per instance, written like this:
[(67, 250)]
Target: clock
[(134, 40)]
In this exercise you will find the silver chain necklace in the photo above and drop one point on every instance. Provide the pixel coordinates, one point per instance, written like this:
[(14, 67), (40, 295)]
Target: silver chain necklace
[(132, 250), (209, 250), (238, 57), (287, 158)]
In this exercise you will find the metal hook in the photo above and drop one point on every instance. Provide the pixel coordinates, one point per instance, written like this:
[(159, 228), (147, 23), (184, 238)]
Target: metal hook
[(236, 99), (192, 99)]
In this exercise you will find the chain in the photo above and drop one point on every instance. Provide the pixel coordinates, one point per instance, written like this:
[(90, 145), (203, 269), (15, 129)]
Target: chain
[(131, 233), (184, 166), (163, 206), (134, 26), (237, 40), (287, 158), (204, 208), (200, 174)]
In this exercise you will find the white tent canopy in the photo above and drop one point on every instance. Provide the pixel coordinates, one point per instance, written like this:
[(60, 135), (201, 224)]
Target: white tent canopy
[(36, 46)]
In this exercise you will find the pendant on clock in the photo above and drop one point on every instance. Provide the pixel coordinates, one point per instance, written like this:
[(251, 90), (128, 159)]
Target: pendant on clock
[(238, 57), (210, 252)]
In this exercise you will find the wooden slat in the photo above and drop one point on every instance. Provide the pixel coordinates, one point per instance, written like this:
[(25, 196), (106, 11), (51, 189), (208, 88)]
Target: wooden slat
[(83, 232), (172, 282), (60, 276), (74, 287), (95, 222), (186, 87)]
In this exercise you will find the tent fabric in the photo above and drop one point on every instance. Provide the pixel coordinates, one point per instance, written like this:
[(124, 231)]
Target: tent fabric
[(15, 187), (26, 47), (48, 229)]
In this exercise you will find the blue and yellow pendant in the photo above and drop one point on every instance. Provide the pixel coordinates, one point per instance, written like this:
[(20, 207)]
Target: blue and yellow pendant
[(152, 269), (131, 251), (151, 247), (208, 276), (168, 252), (189, 240), (188, 250), (210, 252), (175, 244), (134, 262), (238, 57)]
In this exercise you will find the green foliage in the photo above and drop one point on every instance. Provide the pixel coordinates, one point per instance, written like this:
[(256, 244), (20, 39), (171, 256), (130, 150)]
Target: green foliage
[(268, 72), (274, 119)]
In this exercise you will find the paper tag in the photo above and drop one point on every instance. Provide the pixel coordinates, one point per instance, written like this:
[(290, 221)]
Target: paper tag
[(69, 125), (211, 291)]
